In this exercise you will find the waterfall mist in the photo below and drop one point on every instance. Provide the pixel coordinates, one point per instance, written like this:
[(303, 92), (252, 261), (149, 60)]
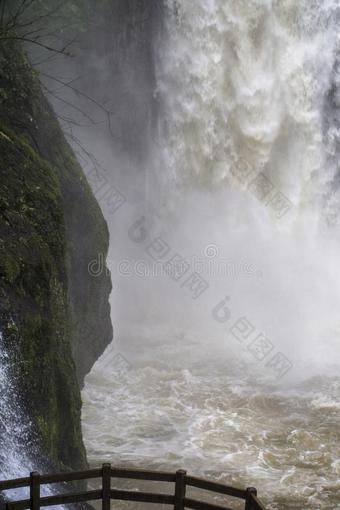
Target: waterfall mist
[(242, 157), (224, 246)]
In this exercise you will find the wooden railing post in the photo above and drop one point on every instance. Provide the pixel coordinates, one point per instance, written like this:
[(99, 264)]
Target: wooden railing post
[(180, 489), (34, 491), (106, 486), (250, 491)]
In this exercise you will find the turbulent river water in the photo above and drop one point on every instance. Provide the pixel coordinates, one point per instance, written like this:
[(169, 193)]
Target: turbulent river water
[(210, 417), (227, 284)]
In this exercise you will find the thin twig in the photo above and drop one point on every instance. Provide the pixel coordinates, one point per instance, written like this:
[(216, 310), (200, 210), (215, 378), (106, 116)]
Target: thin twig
[(77, 91), (78, 124), (32, 41), (68, 104), (89, 98), (17, 14)]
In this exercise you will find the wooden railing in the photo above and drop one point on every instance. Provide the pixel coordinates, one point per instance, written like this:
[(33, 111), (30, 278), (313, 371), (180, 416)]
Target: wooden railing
[(179, 501)]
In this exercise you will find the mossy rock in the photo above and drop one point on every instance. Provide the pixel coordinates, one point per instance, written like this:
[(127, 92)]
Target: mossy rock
[(51, 227)]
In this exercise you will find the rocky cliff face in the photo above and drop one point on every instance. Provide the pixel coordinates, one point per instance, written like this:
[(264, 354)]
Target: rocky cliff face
[(54, 315)]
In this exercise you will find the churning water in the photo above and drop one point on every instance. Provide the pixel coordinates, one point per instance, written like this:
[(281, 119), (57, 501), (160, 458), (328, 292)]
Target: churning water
[(175, 409), (226, 362)]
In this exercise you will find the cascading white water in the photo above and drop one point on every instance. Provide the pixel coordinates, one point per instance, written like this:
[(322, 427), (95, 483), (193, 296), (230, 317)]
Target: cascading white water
[(15, 428), (243, 84), (247, 156), (243, 172), (19, 455)]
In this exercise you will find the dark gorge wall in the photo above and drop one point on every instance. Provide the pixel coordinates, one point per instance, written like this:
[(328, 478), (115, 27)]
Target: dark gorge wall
[(51, 227)]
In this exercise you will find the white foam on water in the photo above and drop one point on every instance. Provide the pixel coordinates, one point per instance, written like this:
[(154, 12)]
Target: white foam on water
[(248, 93)]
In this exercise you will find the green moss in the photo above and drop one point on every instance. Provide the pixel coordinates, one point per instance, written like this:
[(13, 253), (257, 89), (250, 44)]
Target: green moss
[(50, 228), (33, 279)]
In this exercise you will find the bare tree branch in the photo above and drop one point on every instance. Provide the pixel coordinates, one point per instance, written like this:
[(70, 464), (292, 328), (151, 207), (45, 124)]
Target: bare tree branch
[(77, 91), (69, 104), (17, 14), (90, 157), (44, 60), (23, 9), (73, 122), (32, 28), (26, 6), (89, 98), (32, 41)]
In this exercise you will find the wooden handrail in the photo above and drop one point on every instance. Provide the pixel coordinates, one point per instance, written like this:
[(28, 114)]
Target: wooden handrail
[(143, 474), (106, 493), (202, 505), (202, 483)]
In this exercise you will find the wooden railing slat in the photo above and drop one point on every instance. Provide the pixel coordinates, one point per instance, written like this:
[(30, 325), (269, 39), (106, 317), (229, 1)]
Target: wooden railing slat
[(18, 505), (142, 497), (60, 499), (142, 474), (71, 477), (67, 499), (209, 485), (202, 505), (55, 478), (16, 483)]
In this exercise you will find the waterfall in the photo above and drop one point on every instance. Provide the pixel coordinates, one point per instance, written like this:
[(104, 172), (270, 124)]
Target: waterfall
[(246, 160), (15, 428), (19, 455), (242, 192), (243, 86)]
